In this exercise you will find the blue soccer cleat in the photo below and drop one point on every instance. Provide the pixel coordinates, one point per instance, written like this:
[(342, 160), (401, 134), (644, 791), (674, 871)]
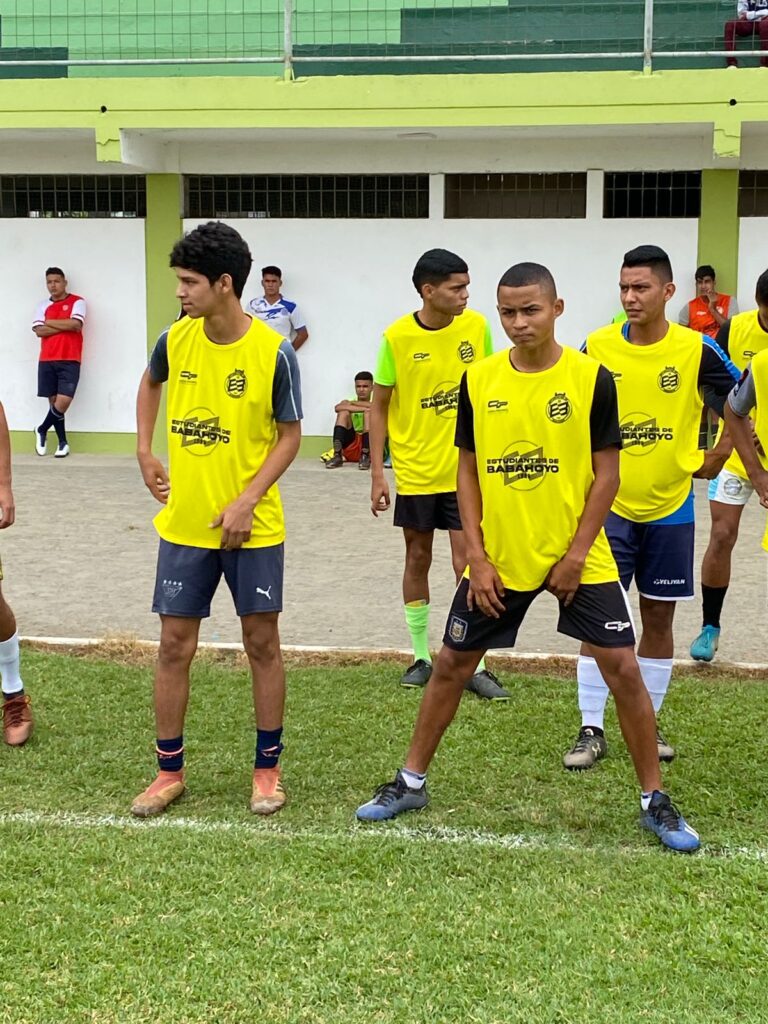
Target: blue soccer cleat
[(392, 799), (664, 820), (705, 645)]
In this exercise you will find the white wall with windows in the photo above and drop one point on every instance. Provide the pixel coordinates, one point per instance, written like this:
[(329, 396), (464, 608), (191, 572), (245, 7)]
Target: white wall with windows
[(104, 262), (753, 257)]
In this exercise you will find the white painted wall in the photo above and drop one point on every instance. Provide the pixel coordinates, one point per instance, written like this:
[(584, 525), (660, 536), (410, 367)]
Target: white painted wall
[(352, 278), (753, 257), (104, 262)]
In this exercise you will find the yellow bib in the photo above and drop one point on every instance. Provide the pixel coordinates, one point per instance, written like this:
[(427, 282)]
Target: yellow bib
[(220, 430), (534, 462), (422, 410), (745, 339), (660, 412), (760, 376)]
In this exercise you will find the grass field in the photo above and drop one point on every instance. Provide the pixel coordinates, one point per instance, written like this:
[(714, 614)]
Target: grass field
[(523, 893)]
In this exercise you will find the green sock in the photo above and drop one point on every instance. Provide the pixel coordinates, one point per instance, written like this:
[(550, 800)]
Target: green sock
[(417, 620)]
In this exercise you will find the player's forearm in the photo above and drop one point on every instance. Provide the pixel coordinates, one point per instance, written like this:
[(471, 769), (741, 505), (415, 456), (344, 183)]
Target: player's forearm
[(65, 325), (740, 430), (276, 463), (377, 429), (300, 338), (43, 331), (147, 407), (598, 504), (5, 450), (470, 505)]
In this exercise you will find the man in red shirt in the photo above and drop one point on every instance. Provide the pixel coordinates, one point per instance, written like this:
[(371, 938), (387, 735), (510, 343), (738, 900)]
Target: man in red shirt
[(710, 309), (59, 326)]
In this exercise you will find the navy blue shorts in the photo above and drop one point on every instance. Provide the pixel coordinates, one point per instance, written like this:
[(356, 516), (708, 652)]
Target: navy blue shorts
[(659, 557), (57, 377), (599, 615), (187, 579), (427, 512)]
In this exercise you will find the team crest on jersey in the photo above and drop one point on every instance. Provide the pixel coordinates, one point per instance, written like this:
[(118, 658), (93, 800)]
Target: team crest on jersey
[(669, 380), (444, 399), (559, 407), (236, 384), (641, 433), (466, 352), (457, 629), (523, 465)]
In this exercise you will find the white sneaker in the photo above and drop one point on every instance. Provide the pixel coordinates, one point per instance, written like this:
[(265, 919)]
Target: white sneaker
[(40, 440), (62, 451)]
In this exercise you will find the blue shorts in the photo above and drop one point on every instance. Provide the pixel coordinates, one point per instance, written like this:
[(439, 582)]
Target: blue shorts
[(187, 579), (659, 556), (57, 377)]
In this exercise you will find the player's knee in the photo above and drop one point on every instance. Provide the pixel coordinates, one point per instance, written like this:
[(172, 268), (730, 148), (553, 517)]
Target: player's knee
[(723, 536), (262, 646), (418, 556), (176, 649)]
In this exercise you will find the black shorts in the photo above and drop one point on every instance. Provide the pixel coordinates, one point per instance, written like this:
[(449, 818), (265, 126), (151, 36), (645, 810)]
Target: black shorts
[(599, 614), (57, 377), (427, 512)]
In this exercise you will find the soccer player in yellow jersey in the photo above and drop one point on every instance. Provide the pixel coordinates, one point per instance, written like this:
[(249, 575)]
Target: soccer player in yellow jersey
[(17, 712), (750, 398), (741, 337), (421, 359), (538, 438), (661, 370), (233, 418)]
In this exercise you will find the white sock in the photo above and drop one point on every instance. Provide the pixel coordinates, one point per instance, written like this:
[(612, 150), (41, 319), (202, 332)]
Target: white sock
[(593, 693), (10, 668), (413, 780), (656, 673)]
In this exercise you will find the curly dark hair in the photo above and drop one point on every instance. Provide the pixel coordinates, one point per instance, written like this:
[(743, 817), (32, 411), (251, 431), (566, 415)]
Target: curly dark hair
[(214, 249)]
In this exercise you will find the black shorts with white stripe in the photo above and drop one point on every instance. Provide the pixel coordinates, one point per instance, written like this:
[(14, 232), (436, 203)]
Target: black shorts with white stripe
[(599, 615)]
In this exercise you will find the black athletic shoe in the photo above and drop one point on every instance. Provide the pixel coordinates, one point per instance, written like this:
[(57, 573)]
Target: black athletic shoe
[(335, 462), (589, 748), (486, 685), (417, 674)]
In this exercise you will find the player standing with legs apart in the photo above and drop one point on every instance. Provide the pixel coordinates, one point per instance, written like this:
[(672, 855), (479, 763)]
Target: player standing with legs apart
[(660, 370), (741, 337), (421, 359), (538, 437), (234, 411), (17, 713)]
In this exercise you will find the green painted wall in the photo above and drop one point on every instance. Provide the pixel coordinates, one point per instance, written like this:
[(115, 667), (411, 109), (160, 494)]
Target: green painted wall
[(88, 443), (719, 226)]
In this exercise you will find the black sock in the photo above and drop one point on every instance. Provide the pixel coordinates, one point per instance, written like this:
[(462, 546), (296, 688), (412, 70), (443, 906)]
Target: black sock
[(58, 424), (338, 439), (47, 423), (11, 696), (594, 729), (366, 442), (712, 599)]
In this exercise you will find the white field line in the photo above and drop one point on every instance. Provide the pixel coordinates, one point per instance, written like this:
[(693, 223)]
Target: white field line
[(61, 641), (436, 835)]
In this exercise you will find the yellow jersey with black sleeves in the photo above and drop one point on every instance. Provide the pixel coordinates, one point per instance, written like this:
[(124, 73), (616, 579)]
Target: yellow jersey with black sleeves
[(221, 427), (660, 403), (533, 435), (746, 336), (424, 367)]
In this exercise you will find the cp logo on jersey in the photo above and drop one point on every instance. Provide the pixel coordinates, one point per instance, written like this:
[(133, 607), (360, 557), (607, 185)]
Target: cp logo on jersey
[(236, 384), (559, 407), (669, 380)]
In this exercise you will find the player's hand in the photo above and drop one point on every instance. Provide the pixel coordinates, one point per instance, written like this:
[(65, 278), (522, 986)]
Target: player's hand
[(7, 508), (379, 495), (155, 477), (713, 463), (236, 522), (565, 578), (485, 589), (761, 486)]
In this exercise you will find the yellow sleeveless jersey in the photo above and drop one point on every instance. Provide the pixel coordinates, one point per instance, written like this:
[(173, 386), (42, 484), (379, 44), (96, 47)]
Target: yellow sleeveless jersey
[(424, 367), (759, 371), (660, 412), (534, 461), (745, 339), (220, 430)]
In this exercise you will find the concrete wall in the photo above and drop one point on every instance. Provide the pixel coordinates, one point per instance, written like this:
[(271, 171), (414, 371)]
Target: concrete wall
[(753, 257), (104, 262)]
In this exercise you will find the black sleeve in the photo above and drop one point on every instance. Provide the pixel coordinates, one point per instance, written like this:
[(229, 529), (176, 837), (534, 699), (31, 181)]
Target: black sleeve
[(724, 337), (717, 375), (465, 419), (604, 415), (158, 361)]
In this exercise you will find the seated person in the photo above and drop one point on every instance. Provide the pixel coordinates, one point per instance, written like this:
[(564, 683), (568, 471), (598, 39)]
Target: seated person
[(710, 309), (350, 433), (751, 19)]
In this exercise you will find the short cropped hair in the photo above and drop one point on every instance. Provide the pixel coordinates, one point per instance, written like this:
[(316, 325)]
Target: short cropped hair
[(705, 270), (650, 256), (214, 249), (436, 266), (364, 375), (55, 270), (272, 271), (521, 275), (761, 290)]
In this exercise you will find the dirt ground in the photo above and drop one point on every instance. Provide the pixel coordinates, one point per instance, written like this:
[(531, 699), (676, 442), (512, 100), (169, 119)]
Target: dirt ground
[(80, 562)]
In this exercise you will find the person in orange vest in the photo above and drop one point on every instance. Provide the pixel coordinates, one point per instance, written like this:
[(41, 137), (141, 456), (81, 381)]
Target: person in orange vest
[(710, 309)]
